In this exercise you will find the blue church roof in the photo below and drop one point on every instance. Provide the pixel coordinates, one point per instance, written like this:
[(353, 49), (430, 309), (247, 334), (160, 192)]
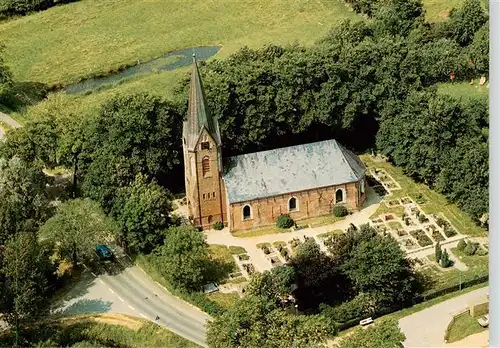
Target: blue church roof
[(290, 169)]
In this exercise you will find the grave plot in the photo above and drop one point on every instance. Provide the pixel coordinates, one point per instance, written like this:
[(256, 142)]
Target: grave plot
[(408, 243), (385, 179), (422, 239), (406, 201), (448, 230)]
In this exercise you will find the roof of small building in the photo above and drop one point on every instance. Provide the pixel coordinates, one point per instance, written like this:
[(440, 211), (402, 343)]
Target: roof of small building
[(290, 169)]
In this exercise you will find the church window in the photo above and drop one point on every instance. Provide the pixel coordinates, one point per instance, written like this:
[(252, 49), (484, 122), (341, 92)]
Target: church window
[(362, 186), (292, 204), (247, 212), (339, 196), (203, 196), (213, 194), (205, 145), (205, 165)]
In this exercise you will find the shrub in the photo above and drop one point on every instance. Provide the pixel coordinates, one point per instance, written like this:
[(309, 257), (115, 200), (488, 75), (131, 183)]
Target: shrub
[(219, 225), (470, 249), (266, 250), (461, 245), (438, 252), (481, 252), (449, 232), (340, 211), (445, 261), (284, 221), (422, 218)]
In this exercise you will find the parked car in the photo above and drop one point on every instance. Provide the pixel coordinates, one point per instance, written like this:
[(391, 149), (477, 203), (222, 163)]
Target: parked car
[(484, 321), (104, 252), (366, 321)]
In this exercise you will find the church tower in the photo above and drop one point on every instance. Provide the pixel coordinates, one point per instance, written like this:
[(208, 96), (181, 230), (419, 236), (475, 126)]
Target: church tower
[(201, 144)]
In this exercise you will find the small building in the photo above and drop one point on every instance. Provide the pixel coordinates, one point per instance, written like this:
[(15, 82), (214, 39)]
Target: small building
[(252, 190)]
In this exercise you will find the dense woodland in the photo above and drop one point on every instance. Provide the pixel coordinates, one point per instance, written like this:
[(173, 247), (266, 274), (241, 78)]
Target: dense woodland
[(370, 85)]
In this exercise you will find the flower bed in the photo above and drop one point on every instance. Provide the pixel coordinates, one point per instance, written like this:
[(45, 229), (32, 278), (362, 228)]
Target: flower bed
[(437, 236)]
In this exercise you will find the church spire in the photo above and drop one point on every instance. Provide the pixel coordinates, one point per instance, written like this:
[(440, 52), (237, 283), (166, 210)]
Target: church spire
[(199, 115)]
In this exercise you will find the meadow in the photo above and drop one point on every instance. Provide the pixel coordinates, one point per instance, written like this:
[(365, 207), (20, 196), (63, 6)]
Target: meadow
[(66, 44)]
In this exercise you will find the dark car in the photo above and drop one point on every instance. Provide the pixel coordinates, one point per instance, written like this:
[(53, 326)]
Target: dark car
[(104, 252)]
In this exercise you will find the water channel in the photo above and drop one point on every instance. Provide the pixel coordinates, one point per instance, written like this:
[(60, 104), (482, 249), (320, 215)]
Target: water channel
[(170, 61)]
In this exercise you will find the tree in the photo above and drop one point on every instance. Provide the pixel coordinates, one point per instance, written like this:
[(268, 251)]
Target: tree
[(397, 17), (23, 277), (23, 197), (438, 252), (384, 334), (77, 228), (467, 20), (379, 266), (255, 321), (276, 284), (142, 211), (183, 257), (132, 134), (5, 76), (479, 50), (445, 259)]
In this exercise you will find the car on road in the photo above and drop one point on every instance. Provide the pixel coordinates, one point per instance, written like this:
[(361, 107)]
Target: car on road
[(484, 321), (104, 253)]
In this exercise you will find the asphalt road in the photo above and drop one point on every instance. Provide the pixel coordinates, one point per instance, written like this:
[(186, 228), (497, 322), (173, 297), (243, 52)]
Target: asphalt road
[(124, 288), (426, 328)]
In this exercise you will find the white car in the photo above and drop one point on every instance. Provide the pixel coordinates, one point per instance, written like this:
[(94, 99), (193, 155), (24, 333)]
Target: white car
[(484, 321)]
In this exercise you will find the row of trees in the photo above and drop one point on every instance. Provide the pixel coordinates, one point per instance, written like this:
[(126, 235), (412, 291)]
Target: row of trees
[(364, 274), (10, 8)]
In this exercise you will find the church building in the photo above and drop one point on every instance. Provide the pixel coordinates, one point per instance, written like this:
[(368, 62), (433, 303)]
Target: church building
[(252, 190)]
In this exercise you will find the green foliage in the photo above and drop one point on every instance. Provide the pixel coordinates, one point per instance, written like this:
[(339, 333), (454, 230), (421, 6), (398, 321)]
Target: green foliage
[(276, 284), (467, 20), (77, 228), (438, 252), (23, 197), (25, 266), (358, 307), (479, 50), (5, 77), (445, 261), (397, 17), (23, 7), (385, 334), (284, 221), (470, 249), (132, 134), (219, 225), (183, 257), (340, 211), (379, 267), (142, 211), (255, 321), (481, 252), (461, 245)]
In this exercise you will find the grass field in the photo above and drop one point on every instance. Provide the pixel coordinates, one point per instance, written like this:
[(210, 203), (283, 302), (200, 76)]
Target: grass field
[(464, 326), (464, 89), (63, 44), (435, 203)]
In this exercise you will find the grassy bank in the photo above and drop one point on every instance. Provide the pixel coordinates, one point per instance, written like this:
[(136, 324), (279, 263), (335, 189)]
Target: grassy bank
[(464, 326), (105, 330)]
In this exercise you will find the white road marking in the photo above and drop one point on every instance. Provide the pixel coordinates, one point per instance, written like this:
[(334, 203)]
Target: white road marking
[(132, 308), (111, 290), (102, 281), (121, 299), (142, 315)]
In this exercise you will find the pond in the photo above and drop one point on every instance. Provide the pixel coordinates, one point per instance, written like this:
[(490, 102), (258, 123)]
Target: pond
[(170, 61)]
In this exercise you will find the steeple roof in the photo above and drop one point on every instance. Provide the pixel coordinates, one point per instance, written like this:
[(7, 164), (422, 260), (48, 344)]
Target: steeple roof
[(199, 116)]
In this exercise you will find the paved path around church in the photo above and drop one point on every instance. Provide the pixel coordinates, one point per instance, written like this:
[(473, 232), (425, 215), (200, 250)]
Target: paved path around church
[(9, 121)]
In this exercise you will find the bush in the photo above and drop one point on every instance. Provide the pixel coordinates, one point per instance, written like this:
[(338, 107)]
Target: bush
[(470, 249), (340, 211), (445, 261), (449, 232), (461, 245), (219, 225), (481, 252), (284, 221)]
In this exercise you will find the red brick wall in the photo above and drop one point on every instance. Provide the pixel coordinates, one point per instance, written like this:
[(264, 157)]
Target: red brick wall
[(311, 203)]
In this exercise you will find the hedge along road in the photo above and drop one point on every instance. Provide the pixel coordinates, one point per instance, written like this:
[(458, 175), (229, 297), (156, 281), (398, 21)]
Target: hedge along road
[(142, 297)]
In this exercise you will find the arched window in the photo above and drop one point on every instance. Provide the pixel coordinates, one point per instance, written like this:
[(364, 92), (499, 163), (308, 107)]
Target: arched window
[(362, 186), (247, 212), (205, 165), (292, 204), (210, 218), (339, 196)]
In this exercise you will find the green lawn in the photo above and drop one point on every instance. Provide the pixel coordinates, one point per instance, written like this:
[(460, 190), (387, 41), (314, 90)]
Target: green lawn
[(478, 267), (464, 326), (235, 250), (226, 300), (89, 37), (434, 202), (464, 89), (260, 232), (223, 253), (330, 234), (396, 210)]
